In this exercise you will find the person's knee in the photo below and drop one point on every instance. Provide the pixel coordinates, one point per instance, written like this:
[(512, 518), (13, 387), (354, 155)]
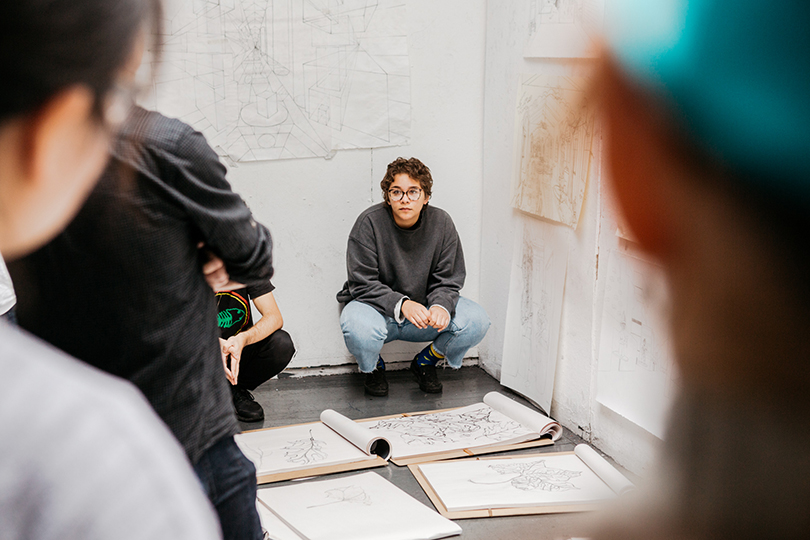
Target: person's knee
[(283, 347), (361, 321), (471, 317)]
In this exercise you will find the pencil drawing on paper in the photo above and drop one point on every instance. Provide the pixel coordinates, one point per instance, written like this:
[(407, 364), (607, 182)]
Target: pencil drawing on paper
[(305, 451), (554, 128), (534, 476), (347, 494), (277, 79), (450, 427), (563, 28)]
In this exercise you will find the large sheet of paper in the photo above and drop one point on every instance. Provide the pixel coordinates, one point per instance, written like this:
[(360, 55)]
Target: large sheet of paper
[(359, 507), (298, 447), (515, 482), (564, 28), (534, 310), (277, 79), (636, 373), (497, 421), (554, 129)]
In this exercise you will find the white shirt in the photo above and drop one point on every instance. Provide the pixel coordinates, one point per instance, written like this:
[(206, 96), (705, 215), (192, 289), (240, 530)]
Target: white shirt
[(83, 456), (7, 297)]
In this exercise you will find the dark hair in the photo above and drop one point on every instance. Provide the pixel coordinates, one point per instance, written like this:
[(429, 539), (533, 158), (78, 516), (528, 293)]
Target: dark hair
[(49, 45), (413, 168)]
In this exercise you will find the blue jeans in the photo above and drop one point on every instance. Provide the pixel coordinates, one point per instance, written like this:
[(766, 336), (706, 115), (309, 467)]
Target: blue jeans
[(229, 480), (366, 330)]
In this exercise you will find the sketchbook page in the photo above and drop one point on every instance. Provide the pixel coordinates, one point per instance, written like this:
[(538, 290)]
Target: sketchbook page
[(360, 507), (604, 470), (534, 420), (474, 426), (294, 448), (362, 437), (275, 528), (476, 484)]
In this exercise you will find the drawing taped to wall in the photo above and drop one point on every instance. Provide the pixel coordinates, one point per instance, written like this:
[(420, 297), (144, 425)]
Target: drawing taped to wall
[(636, 373), (359, 507), (564, 28), (554, 129), (277, 79), (534, 310)]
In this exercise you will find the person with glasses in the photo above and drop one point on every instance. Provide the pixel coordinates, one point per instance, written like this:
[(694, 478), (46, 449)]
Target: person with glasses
[(124, 288), (82, 454), (405, 270)]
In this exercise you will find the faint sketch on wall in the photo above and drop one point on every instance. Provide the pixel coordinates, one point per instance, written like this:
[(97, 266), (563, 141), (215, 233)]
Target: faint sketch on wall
[(554, 130), (564, 28), (276, 79), (636, 374), (534, 310)]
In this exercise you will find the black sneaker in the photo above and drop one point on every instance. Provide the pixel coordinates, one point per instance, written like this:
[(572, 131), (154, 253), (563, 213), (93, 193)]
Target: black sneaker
[(375, 384), (426, 375), (247, 410)]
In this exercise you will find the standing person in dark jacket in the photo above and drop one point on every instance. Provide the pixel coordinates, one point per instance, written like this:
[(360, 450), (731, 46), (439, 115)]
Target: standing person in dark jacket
[(122, 288), (406, 267)]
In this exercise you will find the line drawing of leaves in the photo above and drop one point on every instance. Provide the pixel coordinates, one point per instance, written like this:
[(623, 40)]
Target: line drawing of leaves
[(348, 494), (305, 451), (535, 476)]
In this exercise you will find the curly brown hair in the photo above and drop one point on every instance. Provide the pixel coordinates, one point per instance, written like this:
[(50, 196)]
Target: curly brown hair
[(413, 168)]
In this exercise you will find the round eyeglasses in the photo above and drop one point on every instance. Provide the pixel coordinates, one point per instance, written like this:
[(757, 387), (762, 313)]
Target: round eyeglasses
[(397, 194)]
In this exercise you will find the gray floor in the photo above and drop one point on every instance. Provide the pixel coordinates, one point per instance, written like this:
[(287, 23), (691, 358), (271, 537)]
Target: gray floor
[(291, 400)]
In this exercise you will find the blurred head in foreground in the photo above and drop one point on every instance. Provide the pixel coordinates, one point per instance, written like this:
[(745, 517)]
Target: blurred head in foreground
[(707, 114), (68, 68)]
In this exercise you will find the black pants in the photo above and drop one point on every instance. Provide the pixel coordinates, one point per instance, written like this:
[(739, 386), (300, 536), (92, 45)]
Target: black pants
[(265, 359)]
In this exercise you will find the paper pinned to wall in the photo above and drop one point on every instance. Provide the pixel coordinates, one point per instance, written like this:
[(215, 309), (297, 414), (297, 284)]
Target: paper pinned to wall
[(554, 130), (564, 28), (636, 374), (265, 79), (534, 310)]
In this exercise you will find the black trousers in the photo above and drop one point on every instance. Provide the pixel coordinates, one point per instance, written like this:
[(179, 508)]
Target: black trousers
[(265, 359)]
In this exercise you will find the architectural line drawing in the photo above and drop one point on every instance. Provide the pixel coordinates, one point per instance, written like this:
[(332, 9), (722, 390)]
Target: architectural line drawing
[(348, 494), (450, 427), (534, 476), (563, 28), (554, 129), (280, 79), (534, 310), (636, 374), (305, 451)]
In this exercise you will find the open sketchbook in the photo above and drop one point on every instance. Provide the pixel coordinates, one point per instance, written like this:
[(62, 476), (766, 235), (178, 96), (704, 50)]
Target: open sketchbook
[(535, 484), (497, 424), (334, 444), (359, 507)]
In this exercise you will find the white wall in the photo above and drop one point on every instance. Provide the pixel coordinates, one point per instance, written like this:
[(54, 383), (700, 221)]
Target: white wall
[(574, 403), (310, 204)]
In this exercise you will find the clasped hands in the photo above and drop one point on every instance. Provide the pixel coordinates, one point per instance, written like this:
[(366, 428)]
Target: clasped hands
[(231, 349), (422, 317)]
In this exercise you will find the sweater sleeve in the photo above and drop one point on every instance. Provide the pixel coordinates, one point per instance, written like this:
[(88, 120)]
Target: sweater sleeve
[(447, 278), (362, 265), (224, 221)]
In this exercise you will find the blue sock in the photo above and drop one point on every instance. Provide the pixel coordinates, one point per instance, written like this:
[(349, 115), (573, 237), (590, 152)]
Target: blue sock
[(380, 364), (428, 356)]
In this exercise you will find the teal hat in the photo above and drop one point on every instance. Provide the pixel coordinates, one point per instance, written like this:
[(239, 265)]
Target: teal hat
[(734, 73)]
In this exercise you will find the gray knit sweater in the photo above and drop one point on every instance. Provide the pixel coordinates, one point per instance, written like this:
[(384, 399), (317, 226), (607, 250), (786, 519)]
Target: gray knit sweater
[(385, 262)]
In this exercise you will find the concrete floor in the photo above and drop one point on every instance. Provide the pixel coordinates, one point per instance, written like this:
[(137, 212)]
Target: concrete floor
[(293, 400)]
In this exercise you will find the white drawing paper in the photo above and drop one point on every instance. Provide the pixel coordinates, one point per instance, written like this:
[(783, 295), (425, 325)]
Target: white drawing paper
[(636, 374), (564, 28), (358, 507), (278, 79), (334, 441), (539, 480), (275, 528), (554, 130), (475, 426), (534, 310)]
